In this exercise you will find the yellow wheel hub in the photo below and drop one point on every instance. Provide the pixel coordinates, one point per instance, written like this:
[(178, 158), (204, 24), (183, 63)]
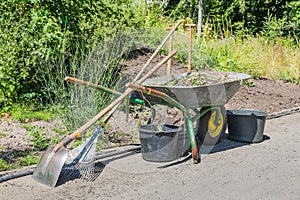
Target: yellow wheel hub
[(215, 127)]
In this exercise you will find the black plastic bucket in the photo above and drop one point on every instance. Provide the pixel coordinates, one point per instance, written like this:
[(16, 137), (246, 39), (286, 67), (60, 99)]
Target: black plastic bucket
[(164, 145), (246, 125)]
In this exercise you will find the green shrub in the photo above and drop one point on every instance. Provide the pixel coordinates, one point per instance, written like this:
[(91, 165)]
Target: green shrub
[(3, 165), (36, 32), (29, 159)]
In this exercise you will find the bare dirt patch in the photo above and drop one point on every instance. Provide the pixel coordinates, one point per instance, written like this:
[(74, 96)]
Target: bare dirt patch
[(268, 95)]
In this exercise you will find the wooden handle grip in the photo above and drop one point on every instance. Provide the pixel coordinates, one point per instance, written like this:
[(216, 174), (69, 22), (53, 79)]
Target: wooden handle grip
[(136, 87)]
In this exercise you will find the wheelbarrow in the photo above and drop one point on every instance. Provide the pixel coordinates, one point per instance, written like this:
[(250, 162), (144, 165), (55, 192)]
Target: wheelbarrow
[(206, 102)]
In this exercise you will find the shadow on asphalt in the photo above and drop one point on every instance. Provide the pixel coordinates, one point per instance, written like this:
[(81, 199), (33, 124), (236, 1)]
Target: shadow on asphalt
[(87, 172), (226, 144), (91, 173)]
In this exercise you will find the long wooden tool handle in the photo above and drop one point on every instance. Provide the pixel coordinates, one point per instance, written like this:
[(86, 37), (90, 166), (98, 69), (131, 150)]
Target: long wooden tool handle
[(190, 46), (157, 50), (169, 66), (83, 128), (92, 85)]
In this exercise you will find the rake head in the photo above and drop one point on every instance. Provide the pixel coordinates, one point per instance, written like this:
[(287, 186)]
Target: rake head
[(80, 161)]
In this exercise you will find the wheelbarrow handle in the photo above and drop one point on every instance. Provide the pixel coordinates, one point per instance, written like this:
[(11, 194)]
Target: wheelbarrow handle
[(92, 85), (176, 104), (103, 88), (138, 88)]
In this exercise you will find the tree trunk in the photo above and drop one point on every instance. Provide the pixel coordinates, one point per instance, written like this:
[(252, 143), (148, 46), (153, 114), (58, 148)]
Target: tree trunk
[(200, 17)]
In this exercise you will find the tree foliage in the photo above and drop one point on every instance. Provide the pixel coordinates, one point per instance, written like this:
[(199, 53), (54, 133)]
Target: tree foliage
[(253, 16)]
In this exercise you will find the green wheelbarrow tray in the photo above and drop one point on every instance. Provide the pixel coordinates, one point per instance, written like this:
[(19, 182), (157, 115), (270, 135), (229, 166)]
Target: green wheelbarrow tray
[(214, 94)]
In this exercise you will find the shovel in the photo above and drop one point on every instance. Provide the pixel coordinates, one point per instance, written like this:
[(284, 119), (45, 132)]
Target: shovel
[(48, 169)]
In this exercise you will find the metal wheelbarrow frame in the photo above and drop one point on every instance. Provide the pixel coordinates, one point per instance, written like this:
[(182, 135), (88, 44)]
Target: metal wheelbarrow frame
[(210, 98)]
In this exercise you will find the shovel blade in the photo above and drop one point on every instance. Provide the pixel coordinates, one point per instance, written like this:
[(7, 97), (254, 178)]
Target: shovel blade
[(48, 170)]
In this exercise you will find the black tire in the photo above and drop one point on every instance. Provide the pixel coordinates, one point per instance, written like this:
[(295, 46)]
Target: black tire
[(208, 132)]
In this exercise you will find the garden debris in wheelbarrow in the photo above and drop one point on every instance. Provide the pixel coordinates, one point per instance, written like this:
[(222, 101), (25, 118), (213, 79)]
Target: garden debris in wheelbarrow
[(194, 79)]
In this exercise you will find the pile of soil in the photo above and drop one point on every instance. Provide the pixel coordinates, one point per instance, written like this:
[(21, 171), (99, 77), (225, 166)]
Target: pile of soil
[(268, 95), (198, 78)]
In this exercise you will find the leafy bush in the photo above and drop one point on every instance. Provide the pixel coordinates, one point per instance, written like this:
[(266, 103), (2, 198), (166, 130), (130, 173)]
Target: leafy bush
[(3, 165), (35, 32), (243, 15), (29, 159)]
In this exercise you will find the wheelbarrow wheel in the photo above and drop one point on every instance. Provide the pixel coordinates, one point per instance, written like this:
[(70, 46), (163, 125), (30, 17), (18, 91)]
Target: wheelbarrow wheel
[(211, 126)]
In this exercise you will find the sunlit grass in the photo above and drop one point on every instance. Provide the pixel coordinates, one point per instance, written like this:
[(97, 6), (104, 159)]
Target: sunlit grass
[(25, 113), (279, 59)]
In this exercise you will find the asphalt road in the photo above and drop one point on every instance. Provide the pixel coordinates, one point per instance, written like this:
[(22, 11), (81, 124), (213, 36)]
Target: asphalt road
[(266, 170)]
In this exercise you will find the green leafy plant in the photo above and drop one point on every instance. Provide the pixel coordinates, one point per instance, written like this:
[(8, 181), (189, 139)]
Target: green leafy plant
[(3, 165), (29, 159), (3, 134), (250, 83), (60, 131), (39, 139), (25, 113), (28, 127)]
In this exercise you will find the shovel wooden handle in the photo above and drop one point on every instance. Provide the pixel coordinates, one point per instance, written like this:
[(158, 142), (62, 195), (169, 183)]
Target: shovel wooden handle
[(86, 126), (157, 50)]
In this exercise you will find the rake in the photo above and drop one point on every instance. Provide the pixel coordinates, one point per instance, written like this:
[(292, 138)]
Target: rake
[(80, 160)]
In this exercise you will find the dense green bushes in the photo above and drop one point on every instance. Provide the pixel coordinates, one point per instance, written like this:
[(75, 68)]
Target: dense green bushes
[(42, 37), (36, 32)]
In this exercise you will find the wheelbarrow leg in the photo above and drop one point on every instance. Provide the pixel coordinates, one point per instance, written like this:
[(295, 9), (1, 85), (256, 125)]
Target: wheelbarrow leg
[(193, 141)]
